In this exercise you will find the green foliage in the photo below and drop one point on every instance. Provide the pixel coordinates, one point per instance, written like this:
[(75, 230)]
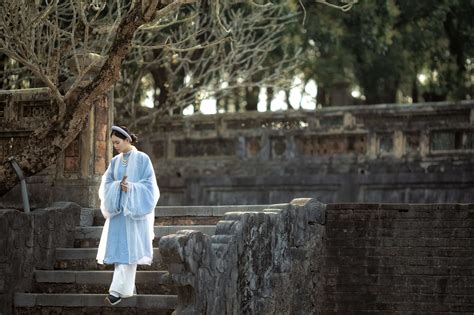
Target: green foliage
[(383, 45)]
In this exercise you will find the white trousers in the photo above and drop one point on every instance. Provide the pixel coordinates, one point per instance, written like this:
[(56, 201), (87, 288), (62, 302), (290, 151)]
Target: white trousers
[(123, 281)]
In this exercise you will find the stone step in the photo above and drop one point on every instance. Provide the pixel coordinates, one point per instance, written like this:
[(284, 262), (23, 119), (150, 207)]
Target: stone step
[(187, 220), (198, 214), (85, 259), (94, 232), (94, 277), (94, 242), (89, 236), (84, 281), (28, 303), (212, 211), (161, 221)]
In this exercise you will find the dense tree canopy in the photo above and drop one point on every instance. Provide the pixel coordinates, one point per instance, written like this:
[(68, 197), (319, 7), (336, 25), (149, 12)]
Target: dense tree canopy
[(388, 50), (393, 50)]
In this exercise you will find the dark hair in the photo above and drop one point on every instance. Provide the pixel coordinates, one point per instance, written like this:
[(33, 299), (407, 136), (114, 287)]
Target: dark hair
[(121, 136)]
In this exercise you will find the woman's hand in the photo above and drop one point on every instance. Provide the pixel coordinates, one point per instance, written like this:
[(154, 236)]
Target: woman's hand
[(123, 184)]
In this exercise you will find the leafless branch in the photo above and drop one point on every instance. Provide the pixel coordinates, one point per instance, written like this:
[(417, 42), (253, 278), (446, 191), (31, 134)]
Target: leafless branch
[(198, 48), (198, 55), (344, 7)]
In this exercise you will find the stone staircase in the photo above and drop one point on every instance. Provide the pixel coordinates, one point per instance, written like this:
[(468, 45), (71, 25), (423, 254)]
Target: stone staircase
[(78, 285)]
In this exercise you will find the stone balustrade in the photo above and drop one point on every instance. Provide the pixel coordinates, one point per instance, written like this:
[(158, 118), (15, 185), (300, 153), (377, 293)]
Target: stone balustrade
[(376, 153), (255, 263), (370, 131)]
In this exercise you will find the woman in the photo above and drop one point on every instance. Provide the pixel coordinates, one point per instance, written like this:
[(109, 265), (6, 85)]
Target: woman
[(128, 195)]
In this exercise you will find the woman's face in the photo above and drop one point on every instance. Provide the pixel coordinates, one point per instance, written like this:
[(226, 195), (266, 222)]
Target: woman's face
[(120, 145)]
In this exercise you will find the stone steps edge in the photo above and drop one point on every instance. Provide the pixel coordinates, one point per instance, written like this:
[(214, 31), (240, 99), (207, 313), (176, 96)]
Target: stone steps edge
[(92, 300), (94, 232), (94, 276), (73, 253)]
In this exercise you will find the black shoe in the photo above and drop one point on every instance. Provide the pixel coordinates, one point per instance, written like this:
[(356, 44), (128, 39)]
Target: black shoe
[(113, 300)]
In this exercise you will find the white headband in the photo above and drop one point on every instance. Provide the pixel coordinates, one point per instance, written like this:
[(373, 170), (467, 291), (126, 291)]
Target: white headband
[(118, 129)]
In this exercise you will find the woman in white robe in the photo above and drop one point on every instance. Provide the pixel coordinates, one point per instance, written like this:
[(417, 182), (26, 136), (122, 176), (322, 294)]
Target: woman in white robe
[(128, 195)]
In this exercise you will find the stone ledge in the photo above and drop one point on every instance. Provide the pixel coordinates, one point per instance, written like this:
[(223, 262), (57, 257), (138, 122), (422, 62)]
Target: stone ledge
[(183, 211), (399, 206), (92, 300)]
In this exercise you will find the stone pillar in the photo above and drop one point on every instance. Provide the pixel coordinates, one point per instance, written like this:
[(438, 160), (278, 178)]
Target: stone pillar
[(399, 144), (80, 167)]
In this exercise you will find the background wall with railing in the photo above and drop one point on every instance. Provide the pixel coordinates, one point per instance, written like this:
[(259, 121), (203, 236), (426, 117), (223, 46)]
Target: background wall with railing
[(381, 153)]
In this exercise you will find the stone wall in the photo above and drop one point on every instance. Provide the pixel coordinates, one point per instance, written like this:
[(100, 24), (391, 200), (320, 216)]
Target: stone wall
[(29, 241), (75, 175), (254, 264), (397, 258), (344, 258), (405, 153)]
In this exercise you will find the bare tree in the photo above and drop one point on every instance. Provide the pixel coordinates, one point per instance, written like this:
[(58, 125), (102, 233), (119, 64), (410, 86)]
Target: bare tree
[(205, 44), (217, 50)]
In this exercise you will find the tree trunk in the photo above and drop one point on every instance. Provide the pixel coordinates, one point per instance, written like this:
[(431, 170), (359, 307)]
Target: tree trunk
[(160, 77), (45, 143), (321, 96), (340, 94), (380, 91), (414, 90), (287, 98), (237, 99), (251, 97), (269, 98)]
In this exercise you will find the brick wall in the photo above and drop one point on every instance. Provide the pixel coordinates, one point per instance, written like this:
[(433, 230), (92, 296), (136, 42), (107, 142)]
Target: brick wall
[(397, 259)]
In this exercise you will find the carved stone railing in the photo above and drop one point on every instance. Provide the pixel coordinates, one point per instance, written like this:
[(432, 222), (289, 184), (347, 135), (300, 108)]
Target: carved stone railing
[(416, 153), (256, 263), (370, 131)]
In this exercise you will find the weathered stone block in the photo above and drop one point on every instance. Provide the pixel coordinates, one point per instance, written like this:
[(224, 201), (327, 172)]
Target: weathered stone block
[(30, 241), (250, 265)]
